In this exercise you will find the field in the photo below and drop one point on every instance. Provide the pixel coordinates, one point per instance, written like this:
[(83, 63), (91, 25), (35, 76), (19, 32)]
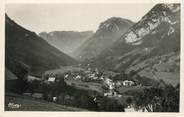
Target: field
[(28, 104), (63, 70), (124, 89), (86, 85)]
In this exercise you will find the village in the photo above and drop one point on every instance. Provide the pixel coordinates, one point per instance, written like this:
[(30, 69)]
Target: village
[(95, 83), (73, 83), (92, 79), (87, 79)]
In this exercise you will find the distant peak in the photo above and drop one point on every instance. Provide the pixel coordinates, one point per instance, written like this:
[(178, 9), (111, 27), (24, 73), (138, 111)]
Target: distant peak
[(114, 24), (117, 19)]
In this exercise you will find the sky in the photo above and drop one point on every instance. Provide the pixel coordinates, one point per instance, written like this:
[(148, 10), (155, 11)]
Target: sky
[(75, 17)]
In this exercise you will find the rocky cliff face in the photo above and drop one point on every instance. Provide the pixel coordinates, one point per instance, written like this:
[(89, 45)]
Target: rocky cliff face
[(108, 32), (163, 13), (150, 47)]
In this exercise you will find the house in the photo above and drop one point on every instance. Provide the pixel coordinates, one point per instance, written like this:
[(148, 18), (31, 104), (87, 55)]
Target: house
[(108, 81), (78, 77), (89, 69), (108, 94), (119, 95), (51, 79), (54, 99), (101, 78), (94, 99), (94, 78), (92, 75), (111, 86), (66, 76), (13, 105), (96, 71), (115, 93), (128, 83)]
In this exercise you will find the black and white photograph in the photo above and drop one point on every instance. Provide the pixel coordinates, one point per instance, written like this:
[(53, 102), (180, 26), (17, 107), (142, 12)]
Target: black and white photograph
[(82, 57)]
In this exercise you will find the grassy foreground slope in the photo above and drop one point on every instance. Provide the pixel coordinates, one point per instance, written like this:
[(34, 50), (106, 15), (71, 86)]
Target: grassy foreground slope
[(30, 104)]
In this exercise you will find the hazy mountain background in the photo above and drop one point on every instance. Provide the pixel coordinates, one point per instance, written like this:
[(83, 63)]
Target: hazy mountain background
[(66, 41), (107, 33), (25, 47), (150, 47)]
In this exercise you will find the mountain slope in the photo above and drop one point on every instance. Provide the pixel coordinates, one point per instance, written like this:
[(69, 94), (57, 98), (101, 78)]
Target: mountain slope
[(25, 47), (150, 48), (108, 32), (66, 41)]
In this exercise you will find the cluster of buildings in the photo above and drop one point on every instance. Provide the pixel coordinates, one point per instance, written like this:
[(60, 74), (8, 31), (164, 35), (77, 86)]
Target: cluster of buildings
[(94, 75), (13, 105), (112, 93), (112, 85), (85, 76), (90, 75)]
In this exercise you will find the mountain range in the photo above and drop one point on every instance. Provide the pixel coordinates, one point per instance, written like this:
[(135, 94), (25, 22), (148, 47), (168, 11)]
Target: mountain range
[(66, 41), (107, 33), (151, 47), (28, 49)]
